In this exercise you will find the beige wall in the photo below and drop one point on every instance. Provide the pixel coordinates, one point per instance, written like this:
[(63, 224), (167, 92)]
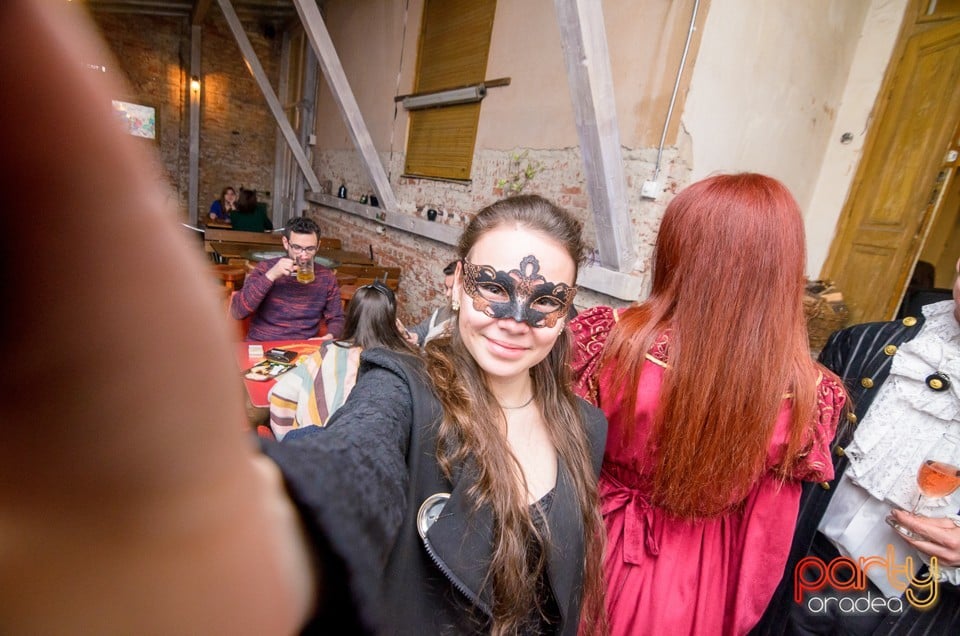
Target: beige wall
[(767, 87), (777, 85), (840, 160)]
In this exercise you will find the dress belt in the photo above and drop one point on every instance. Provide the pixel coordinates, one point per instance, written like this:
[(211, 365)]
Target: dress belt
[(638, 518)]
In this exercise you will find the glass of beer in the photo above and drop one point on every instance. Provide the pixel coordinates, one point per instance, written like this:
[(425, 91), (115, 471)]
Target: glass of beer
[(305, 269), (938, 476)]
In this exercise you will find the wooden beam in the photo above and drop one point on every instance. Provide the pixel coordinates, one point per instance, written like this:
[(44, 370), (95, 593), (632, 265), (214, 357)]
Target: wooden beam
[(282, 198), (584, 41), (343, 95), (256, 69), (193, 161), (199, 13)]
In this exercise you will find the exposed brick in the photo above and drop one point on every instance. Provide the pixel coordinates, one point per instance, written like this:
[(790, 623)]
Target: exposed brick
[(237, 130)]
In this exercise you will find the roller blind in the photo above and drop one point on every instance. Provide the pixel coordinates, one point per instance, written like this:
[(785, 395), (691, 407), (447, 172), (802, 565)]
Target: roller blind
[(454, 43)]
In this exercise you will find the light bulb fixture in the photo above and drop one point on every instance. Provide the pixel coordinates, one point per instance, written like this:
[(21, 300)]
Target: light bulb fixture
[(446, 98), (195, 83)]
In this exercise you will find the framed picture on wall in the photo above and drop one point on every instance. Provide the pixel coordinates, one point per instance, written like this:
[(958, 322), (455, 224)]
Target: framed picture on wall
[(138, 119)]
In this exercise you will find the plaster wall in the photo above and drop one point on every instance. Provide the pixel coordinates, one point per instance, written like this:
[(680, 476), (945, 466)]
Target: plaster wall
[(532, 115), (874, 49), (767, 85), (762, 90)]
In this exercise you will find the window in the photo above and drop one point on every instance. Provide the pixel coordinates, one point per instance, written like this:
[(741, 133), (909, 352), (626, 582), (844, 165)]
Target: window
[(454, 42)]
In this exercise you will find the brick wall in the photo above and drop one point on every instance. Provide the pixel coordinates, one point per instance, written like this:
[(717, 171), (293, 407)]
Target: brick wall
[(560, 179), (237, 130), (237, 133)]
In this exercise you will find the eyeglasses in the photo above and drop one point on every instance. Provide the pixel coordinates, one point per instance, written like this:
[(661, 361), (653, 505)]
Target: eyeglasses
[(301, 249)]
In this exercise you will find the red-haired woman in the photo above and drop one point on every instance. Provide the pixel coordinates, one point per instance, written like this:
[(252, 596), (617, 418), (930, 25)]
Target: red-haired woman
[(717, 413)]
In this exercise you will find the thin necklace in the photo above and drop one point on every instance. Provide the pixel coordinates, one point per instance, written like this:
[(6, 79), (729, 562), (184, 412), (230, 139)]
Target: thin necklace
[(514, 408)]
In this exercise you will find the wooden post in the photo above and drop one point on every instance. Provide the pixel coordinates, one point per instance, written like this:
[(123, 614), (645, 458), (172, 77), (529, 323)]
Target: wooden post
[(584, 41), (193, 161), (256, 69), (342, 93)]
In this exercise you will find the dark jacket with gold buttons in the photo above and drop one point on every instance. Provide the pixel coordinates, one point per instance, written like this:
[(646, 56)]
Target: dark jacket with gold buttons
[(861, 355)]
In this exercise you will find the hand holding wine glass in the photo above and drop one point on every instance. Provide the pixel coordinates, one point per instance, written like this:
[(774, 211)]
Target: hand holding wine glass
[(938, 476)]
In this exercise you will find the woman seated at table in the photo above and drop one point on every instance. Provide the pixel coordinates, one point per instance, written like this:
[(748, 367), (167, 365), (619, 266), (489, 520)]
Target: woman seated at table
[(221, 208), (250, 216), (309, 394)]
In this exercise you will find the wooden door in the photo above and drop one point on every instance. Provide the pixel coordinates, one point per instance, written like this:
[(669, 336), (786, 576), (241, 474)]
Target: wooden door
[(889, 211)]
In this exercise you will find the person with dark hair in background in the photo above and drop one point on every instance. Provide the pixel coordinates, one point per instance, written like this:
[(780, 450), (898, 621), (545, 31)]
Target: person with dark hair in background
[(439, 320), (250, 216), (309, 394), (465, 503), (221, 208), (716, 410), (283, 306)]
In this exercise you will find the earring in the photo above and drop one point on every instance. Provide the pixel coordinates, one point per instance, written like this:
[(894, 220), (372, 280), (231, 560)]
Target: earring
[(455, 305)]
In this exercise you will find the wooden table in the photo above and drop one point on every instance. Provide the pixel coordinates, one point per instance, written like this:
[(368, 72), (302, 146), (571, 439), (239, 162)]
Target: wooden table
[(257, 391), (236, 243)]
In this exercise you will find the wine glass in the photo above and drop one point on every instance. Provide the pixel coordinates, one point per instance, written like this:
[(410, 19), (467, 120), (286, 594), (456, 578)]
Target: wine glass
[(938, 476)]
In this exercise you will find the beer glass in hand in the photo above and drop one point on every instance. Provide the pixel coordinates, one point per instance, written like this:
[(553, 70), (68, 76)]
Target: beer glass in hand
[(938, 476), (305, 269)]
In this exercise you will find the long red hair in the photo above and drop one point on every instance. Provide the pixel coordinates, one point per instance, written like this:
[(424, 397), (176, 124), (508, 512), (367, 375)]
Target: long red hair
[(728, 284)]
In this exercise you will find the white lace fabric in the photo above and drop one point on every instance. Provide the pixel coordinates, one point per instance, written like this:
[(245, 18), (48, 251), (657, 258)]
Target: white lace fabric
[(907, 418)]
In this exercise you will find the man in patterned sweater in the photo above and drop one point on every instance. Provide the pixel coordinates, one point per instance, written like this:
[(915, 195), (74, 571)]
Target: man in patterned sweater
[(282, 308)]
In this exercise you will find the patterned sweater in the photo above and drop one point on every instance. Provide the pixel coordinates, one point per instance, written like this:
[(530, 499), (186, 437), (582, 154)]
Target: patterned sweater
[(286, 309)]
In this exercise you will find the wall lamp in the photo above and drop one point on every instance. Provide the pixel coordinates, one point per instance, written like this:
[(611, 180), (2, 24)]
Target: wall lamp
[(466, 95), (195, 83)]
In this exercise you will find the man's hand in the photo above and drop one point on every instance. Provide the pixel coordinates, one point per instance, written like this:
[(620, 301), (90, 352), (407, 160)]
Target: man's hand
[(283, 267), (943, 534)]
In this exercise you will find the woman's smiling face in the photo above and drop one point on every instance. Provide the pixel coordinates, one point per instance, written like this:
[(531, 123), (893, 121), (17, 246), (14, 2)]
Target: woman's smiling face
[(506, 348)]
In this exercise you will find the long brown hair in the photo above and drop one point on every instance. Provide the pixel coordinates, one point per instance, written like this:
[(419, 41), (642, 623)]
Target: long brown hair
[(728, 284), (371, 320), (474, 428), (223, 200)]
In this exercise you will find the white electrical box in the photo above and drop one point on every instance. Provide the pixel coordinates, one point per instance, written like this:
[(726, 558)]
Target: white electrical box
[(650, 190)]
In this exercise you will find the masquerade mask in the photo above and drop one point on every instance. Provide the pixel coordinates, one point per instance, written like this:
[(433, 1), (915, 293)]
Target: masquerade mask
[(521, 294)]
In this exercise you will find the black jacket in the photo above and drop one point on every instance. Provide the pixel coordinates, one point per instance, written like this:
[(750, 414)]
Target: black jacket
[(861, 355), (360, 483)]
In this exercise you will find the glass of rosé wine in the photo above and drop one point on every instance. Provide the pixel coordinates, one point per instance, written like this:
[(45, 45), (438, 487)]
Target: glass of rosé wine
[(937, 477)]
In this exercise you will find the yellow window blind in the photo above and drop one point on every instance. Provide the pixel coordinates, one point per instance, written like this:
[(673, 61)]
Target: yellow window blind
[(454, 43)]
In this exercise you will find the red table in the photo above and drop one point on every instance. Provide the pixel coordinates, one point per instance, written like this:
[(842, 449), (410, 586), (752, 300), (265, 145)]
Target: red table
[(257, 390)]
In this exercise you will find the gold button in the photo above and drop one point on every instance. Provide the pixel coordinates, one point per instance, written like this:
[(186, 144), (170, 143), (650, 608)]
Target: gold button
[(935, 383), (838, 451), (867, 383), (909, 321), (890, 349), (852, 417), (825, 485)]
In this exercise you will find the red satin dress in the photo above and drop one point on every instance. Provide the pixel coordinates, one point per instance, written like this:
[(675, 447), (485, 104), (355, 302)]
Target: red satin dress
[(667, 575)]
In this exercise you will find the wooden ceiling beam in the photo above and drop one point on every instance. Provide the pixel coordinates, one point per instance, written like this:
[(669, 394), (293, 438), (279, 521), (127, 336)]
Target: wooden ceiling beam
[(199, 13), (333, 72), (273, 102)]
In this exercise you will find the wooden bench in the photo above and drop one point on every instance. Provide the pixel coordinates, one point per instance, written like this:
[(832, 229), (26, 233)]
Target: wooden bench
[(330, 243), (366, 274), (237, 243)]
